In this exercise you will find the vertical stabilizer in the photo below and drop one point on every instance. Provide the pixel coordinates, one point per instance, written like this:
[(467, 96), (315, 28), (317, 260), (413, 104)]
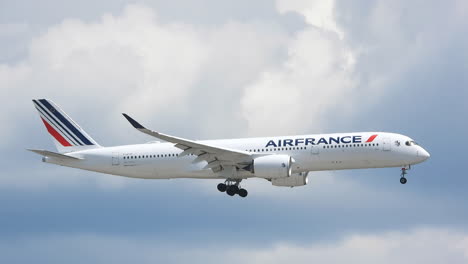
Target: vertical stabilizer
[(68, 136)]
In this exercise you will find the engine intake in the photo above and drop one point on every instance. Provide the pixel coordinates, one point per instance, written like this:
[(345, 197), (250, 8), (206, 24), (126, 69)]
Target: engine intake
[(273, 166)]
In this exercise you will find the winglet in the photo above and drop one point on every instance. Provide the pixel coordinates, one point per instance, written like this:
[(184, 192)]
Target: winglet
[(132, 121)]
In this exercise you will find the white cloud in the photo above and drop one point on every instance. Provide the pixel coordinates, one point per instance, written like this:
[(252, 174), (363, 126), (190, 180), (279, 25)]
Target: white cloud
[(318, 13), (314, 83), (424, 245), (172, 73), (302, 93)]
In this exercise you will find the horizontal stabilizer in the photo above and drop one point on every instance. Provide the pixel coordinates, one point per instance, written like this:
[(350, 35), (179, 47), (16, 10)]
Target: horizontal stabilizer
[(51, 154)]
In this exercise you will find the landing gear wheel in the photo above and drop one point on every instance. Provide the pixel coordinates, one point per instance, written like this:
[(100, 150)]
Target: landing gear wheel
[(232, 190), (242, 193), (403, 173), (222, 187)]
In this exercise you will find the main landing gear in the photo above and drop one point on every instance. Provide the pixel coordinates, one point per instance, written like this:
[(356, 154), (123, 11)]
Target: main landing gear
[(404, 170), (231, 187)]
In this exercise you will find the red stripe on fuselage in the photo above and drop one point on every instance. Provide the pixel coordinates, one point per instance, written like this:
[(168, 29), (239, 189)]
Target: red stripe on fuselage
[(56, 135), (371, 138)]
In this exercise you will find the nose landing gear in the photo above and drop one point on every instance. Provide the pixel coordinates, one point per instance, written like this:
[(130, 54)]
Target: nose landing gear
[(404, 170), (231, 187)]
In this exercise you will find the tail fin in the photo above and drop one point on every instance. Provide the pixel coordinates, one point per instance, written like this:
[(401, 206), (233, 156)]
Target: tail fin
[(68, 136)]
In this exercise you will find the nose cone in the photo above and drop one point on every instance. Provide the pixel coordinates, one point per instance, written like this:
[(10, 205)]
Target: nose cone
[(423, 154)]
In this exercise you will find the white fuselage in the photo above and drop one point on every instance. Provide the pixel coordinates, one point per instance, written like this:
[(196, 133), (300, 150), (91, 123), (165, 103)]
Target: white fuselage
[(309, 152)]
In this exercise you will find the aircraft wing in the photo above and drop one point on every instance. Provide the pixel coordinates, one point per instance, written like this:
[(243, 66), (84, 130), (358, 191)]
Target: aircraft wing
[(218, 158)]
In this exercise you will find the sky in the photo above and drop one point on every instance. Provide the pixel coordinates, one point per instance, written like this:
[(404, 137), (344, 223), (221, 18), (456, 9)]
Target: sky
[(227, 69)]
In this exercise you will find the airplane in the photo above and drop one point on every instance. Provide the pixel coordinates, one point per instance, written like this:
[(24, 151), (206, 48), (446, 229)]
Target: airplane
[(284, 161)]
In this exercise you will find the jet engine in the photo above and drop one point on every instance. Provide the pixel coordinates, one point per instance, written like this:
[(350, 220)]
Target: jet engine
[(297, 179), (273, 166)]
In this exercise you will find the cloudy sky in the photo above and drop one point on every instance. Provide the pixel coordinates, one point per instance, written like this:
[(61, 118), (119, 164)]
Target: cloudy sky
[(220, 69)]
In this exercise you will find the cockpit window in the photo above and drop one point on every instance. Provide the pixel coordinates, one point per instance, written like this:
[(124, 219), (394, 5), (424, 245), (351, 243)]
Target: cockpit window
[(411, 143)]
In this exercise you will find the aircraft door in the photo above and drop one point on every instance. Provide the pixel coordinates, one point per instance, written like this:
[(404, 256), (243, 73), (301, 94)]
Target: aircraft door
[(314, 150), (386, 144), (115, 159)]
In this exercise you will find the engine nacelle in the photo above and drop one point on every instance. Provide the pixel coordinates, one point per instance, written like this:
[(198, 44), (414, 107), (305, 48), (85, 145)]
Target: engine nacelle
[(297, 179), (273, 166)]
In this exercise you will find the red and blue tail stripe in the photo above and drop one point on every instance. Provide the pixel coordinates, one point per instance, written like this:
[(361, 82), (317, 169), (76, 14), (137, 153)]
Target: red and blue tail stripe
[(66, 122), (51, 121), (56, 135), (60, 126)]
